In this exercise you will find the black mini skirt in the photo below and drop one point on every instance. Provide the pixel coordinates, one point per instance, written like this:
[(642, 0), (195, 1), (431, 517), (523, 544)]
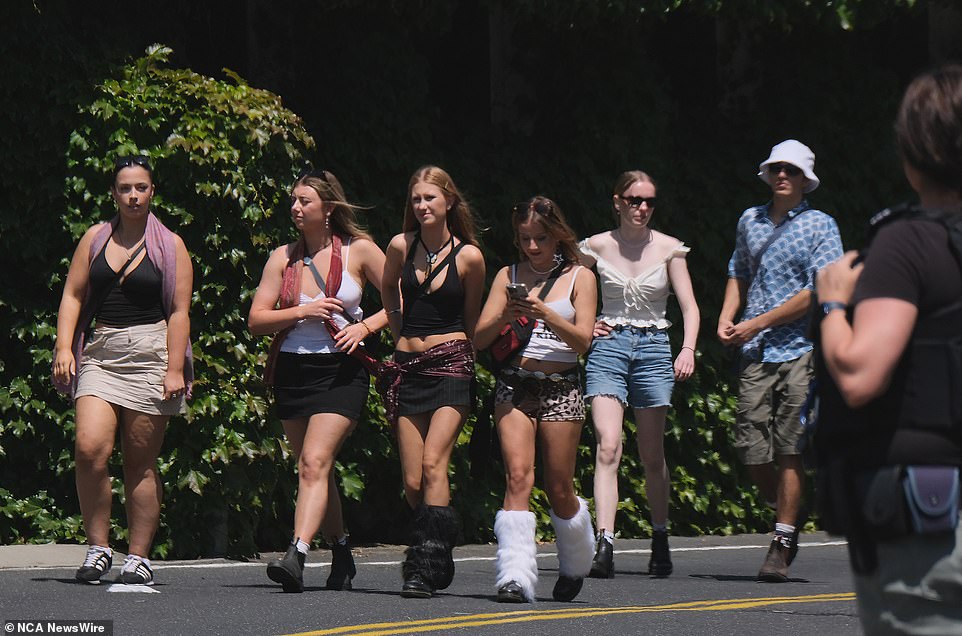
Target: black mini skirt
[(425, 393), (306, 384)]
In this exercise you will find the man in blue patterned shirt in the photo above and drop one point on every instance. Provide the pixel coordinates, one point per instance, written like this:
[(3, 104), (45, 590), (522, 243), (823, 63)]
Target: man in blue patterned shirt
[(779, 248)]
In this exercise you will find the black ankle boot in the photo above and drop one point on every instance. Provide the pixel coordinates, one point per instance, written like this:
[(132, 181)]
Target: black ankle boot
[(660, 562), (567, 588), (289, 570), (603, 565), (342, 568)]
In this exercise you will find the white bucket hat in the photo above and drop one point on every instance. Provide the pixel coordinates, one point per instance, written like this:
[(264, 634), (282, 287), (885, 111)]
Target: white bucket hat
[(793, 152)]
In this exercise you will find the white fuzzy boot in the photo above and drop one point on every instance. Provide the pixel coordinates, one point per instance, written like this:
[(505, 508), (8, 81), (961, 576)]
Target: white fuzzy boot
[(575, 551), (516, 553)]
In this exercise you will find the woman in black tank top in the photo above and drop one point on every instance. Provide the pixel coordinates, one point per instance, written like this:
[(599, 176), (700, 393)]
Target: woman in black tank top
[(433, 279), (132, 277)]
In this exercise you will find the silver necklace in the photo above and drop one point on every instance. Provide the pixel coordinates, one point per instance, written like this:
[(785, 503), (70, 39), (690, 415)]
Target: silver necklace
[(622, 240), (538, 271)]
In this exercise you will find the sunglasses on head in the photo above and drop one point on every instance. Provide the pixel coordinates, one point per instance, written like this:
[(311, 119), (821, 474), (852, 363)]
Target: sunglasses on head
[(789, 169), (542, 207), (309, 171), (635, 202), (132, 160)]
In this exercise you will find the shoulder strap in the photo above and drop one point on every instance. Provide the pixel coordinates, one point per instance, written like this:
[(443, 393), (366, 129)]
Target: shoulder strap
[(120, 272), (347, 252), (574, 276), (117, 275), (950, 219), (552, 279), (419, 291), (777, 232), (443, 265), (317, 275)]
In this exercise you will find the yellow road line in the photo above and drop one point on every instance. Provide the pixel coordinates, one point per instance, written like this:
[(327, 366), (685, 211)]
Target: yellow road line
[(500, 618)]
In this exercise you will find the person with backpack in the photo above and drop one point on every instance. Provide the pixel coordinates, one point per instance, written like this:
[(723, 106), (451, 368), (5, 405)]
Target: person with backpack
[(889, 435)]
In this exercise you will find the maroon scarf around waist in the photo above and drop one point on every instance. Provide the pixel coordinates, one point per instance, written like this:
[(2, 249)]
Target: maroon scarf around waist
[(452, 359)]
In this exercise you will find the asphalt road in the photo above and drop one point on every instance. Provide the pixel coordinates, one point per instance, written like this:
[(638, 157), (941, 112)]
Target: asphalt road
[(711, 592)]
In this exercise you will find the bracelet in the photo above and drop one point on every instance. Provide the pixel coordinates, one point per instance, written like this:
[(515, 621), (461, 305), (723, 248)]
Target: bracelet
[(364, 324), (692, 349)]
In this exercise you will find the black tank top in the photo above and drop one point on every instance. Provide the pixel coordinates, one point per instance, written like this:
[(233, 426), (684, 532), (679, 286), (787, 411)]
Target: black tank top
[(440, 311), (135, 302)]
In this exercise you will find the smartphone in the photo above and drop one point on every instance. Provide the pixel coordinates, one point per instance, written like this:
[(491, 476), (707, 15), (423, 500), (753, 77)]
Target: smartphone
[(517, 291)]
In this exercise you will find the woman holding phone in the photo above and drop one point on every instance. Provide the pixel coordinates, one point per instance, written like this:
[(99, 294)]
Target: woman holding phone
[(538, 400)]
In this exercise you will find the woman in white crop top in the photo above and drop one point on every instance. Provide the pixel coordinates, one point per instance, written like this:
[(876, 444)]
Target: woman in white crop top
[(630, 360), (319, 389), (538, 398)]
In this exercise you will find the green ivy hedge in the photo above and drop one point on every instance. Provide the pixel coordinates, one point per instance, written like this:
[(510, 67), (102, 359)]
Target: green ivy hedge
[(593, 101)]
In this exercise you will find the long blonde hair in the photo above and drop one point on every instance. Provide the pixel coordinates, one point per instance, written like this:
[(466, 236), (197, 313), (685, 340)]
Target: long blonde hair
[(460, 219)]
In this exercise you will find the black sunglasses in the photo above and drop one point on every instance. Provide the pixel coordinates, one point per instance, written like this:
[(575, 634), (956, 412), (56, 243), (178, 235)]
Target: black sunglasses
[(635, 202), (790, 170), (132, 160)]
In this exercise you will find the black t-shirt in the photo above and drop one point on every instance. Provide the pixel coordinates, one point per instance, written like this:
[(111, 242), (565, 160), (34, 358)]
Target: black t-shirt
[(911, 260)]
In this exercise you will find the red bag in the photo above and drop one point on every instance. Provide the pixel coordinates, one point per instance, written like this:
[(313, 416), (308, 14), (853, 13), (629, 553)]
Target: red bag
[(512, 339), (514, 336)]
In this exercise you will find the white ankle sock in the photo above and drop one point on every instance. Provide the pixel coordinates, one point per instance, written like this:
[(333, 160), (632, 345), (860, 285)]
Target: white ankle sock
[(784, 529), (342, 540), (301, 546)]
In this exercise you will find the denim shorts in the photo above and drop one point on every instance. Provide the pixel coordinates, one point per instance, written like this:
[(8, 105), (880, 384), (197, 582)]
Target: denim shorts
[(632, 365)]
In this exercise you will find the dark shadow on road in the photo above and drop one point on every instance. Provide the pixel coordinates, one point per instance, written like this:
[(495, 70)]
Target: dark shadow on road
[(740, 577)]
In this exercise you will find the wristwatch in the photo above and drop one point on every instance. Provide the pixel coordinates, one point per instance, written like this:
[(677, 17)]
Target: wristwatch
[(832, 306)]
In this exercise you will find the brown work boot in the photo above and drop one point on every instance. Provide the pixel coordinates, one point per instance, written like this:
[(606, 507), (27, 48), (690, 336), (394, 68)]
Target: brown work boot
[(775, 568)]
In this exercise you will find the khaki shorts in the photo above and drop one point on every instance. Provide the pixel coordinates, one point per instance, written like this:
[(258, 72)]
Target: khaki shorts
[(770, 400), (126, 366)]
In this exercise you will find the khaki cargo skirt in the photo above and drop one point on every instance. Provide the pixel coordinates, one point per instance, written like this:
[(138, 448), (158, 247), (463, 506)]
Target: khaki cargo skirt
[(126, 366)]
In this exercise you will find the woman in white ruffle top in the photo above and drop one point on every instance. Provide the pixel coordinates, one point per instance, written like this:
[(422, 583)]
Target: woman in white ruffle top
[(630, 361)]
